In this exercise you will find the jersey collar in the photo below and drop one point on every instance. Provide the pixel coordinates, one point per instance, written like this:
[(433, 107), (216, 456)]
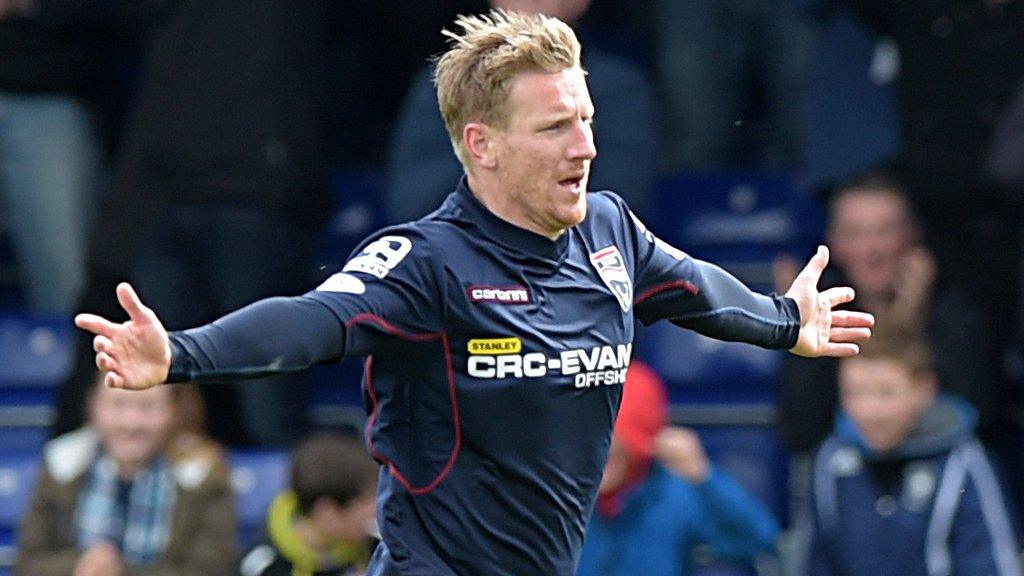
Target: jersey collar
[(506, 233)]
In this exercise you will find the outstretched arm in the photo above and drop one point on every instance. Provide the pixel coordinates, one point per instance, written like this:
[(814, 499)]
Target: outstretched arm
[(703, 297), (269, 336)]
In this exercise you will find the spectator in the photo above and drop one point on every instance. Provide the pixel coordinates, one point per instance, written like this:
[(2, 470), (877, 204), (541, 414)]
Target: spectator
[(226, 134), (661, 496), (421, 167), (711, 57), (878, 252), (959, 66), (51, 73), (902, 487), (122, 496), (850, 123), (321, 525)]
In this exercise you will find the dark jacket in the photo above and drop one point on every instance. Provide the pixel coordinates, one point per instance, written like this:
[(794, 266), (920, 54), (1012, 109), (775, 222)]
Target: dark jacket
[(230, 107), (932, 506)]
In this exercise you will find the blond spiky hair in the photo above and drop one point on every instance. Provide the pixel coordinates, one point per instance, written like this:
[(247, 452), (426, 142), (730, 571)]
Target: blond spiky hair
[(474, 77)]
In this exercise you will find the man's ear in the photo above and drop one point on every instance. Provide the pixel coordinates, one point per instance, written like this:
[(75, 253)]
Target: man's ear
[(480, 144)]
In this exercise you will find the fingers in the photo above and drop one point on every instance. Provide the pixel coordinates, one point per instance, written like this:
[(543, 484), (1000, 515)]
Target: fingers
[(837, 296), (109, 366), (102, 344), (113, 380), (815, 266), (105, 362), (96, 324), (840, 349), (849, 334), (850, 319), (130, 302)]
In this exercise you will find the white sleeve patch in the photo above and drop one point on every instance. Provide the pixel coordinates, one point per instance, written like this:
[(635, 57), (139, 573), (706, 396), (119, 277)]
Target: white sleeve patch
[(380, 257), (342, 282), (664, 246)]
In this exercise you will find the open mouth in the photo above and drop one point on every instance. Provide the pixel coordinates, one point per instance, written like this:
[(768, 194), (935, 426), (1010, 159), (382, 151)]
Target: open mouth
[(573, 182)]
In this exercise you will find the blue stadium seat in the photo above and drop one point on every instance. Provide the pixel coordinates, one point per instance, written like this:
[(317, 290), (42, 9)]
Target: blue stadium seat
[(336, 396), (700, 369), (18, 471), (740, 221), (37, 351), (358, 211), (27, 438), (257, 477), (338, 384)]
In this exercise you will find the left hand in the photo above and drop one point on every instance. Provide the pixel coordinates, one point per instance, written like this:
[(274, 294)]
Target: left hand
[(824, 331)]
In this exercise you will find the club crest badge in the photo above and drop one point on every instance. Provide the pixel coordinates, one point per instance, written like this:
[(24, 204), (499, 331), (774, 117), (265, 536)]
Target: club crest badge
[(612, 269)]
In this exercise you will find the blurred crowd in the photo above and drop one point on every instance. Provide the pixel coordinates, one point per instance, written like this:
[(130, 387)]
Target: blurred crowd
[(192, 144)]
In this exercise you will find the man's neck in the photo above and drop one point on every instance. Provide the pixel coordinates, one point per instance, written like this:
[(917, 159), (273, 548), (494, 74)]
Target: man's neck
[(496, 200)]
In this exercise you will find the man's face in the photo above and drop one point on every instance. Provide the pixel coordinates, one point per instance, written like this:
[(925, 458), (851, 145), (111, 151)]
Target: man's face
[(884, 399), (870, 233), (134, 425), (543, 154)]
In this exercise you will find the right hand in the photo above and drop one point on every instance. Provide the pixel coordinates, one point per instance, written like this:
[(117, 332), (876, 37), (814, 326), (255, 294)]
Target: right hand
[(135, 354)]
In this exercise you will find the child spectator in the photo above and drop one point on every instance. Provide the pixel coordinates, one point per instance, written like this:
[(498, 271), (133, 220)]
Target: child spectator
[(902, 487), (321, 526)]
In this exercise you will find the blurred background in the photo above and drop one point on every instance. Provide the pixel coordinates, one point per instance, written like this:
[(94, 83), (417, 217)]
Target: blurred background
[(216, 152)]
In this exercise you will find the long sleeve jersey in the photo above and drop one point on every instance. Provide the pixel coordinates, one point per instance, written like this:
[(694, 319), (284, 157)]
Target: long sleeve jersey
[(495, 359)]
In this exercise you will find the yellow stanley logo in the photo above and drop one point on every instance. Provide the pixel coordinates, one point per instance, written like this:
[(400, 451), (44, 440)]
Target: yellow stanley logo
[(495, 346)]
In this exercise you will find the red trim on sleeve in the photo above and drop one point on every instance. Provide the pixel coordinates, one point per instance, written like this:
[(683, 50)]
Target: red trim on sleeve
[(658, 289)]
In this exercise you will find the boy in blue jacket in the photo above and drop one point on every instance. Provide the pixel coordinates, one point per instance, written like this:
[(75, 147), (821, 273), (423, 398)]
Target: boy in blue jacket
[(902, 487), (660, 496)]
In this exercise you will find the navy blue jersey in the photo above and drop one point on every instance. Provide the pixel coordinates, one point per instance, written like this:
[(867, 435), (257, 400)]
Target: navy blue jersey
[(496, 358)]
